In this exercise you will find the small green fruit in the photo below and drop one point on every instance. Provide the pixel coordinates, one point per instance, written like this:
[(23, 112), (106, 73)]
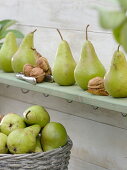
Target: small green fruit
[(64, 65), (53, 136), (89, 65), (115, 80), (3, 144), (8, 49), (22, 141), (38, 147), (36, 115), (11, 122), (25, 54)]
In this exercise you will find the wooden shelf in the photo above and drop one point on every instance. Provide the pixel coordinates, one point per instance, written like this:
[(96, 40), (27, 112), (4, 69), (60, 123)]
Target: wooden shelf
[(73, 93)]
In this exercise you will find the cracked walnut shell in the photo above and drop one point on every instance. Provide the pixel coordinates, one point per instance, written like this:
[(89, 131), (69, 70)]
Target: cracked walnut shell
[(27, 69), (42, 63), (38, 73), (96, 86)]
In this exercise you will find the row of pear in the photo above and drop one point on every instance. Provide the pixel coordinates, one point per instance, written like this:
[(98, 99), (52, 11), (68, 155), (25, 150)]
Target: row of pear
[(31, 133), (65, 71)]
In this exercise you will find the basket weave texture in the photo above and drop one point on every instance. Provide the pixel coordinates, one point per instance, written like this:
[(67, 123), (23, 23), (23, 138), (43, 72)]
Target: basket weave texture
[(57, 159)]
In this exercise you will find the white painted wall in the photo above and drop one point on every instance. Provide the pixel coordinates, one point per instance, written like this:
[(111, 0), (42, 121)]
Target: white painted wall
[(99, 136)]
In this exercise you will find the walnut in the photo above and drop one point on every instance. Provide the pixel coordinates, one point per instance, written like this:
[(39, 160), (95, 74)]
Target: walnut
[(27, 69), (40, 70), (42, 63), (37, 53), (96, 86), (38, 73), (49, 68), (98, 92), (49, 72)]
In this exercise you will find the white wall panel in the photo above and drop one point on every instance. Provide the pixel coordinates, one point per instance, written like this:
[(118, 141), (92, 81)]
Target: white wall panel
[(78, 109), (67, 14)]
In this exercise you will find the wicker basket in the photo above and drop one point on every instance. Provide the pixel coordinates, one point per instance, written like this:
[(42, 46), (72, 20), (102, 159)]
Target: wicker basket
[(57, 159)]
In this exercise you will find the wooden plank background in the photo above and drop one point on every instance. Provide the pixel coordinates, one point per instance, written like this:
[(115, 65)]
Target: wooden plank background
[(99, 136)]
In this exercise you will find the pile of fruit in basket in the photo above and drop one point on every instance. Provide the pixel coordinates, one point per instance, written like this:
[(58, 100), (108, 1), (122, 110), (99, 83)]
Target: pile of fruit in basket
[(31, 133)]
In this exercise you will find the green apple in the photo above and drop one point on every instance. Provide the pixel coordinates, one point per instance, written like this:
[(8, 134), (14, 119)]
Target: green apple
[(3, 144), (10, 122), (53, 136), (36, 115)]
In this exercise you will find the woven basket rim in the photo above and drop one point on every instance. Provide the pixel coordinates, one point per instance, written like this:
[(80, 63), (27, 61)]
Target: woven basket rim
[(67, 146)]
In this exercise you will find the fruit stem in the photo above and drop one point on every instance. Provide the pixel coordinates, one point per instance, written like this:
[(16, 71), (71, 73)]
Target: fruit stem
[(27, 114), (33, 49), (34, 31), (59, 33), (87, 32), (118, 48)]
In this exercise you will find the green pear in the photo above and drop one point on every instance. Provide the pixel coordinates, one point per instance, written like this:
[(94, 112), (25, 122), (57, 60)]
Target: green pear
[(11, 122), (3, 144), (89, 65), (38, 147), (53, 136), (25, 54), (115, 80), (36, 115), (22, 141), (64, 65), (7, 50)]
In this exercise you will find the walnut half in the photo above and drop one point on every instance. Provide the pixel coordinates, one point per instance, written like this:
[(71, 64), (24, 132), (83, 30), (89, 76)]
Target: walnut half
[(96, 86)]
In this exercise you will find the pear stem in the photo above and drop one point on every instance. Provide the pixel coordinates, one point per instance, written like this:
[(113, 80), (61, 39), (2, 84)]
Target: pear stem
[(27, 114), (118, 48), (59, 33), (34, 31), (87, 32), (33, 49)]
